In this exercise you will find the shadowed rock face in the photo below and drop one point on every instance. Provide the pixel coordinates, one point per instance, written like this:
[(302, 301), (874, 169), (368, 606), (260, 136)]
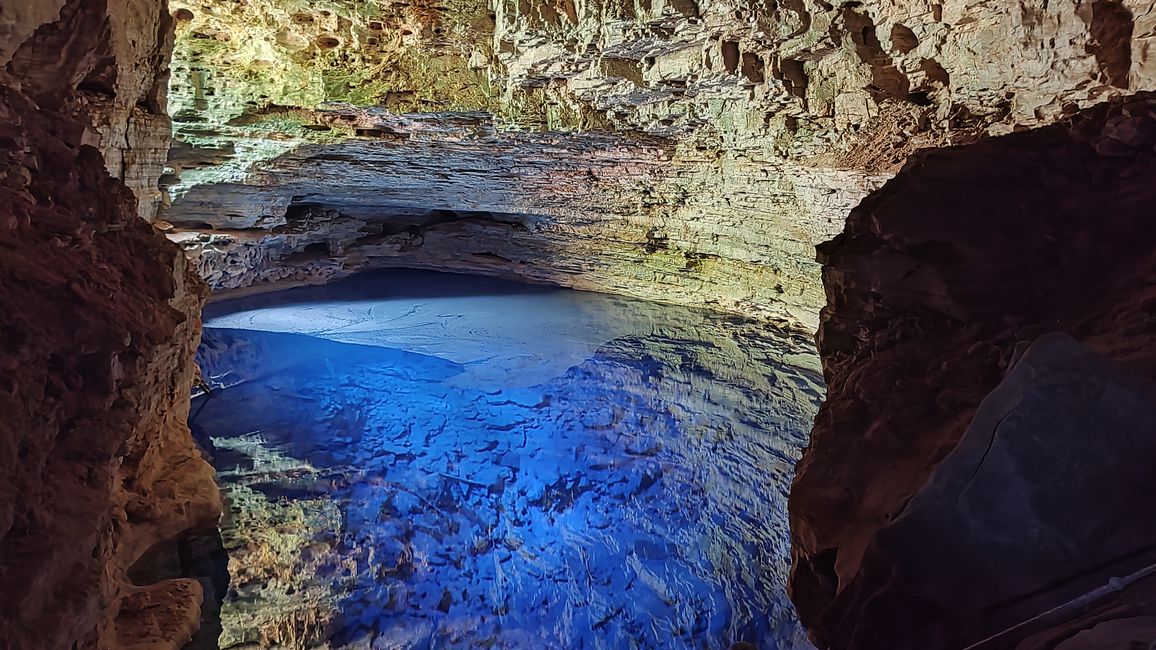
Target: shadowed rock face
[(99, 316), (939, 283), (1014, 522)]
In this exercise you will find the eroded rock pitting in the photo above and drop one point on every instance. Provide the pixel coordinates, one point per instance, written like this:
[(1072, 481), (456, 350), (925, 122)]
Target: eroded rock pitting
[(429, 460)]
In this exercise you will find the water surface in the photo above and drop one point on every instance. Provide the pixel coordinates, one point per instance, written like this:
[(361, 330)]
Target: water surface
[(421, 460)]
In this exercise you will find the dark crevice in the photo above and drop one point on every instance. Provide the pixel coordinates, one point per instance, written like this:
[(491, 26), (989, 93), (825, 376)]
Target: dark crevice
[(198, 554), (753, 68), (794, 77), (886, 79), (102, 79), (730, 53), (935, 73), (903, 40), (1112, 27)]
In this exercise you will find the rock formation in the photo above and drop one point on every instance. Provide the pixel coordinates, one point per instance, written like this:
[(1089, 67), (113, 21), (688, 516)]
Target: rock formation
[(695, 153), (678, 150), (447, 192), (690, 152), (940, 290), (107, 63), (100, 317)]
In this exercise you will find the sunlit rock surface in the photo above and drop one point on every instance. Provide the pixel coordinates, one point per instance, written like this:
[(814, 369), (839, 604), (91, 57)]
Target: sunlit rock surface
[(591, 211), (813, 76), (420, 459), (733, 136)]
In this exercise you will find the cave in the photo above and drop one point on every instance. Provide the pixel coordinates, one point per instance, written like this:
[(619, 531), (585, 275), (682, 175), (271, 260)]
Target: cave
[(369, 324)]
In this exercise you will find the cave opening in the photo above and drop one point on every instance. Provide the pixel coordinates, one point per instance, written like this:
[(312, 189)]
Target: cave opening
[(421, 459)]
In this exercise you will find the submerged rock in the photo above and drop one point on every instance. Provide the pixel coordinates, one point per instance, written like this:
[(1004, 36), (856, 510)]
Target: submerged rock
[(581, 542)]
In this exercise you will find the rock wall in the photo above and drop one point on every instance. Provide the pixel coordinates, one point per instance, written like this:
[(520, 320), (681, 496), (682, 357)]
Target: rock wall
[(631, 216), (106, 64), (937, 287), (100, 318), (731, 137), (810, 74), (871, 79)]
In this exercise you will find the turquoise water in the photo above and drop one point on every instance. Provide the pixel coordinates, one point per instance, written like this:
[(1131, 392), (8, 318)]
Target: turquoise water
[(420, 460)]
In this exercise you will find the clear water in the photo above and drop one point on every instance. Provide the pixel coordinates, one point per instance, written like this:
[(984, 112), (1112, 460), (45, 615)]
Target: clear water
[(419, 460)]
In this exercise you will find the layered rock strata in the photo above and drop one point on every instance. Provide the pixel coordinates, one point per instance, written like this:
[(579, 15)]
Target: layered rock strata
[(731, 136), (939, 284), (106, 64), (99, 317), (631, 216)]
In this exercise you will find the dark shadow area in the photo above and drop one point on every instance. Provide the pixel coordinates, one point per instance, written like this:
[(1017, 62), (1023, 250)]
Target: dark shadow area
[(391, 284), (199, 554), (988, 347)]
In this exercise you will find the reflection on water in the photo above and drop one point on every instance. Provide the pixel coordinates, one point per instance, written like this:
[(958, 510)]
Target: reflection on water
[(415, 460)]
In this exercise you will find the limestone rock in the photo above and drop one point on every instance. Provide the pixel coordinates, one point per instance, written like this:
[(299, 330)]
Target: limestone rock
[(591, 211), (741, 71), (688, 151), (106, 64)]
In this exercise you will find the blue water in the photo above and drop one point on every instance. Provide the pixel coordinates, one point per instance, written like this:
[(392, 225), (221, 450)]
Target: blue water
[(418, 460)]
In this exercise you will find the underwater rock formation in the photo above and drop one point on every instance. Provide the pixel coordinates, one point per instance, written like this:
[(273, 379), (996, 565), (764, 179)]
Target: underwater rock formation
[(99, 318), (937, 287), (406, 465)]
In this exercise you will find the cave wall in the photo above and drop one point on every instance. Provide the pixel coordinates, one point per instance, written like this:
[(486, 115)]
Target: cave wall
[(810, 74), (99, 317), (684, 151), (108, 62), (591, 211), (1023, 262), (728, 139)]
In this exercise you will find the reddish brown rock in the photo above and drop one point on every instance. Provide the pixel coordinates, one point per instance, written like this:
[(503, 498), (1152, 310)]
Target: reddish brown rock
[(99, 317), (939, 282)]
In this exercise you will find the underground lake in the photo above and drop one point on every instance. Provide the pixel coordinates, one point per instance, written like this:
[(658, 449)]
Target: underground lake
[(413, 459)]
